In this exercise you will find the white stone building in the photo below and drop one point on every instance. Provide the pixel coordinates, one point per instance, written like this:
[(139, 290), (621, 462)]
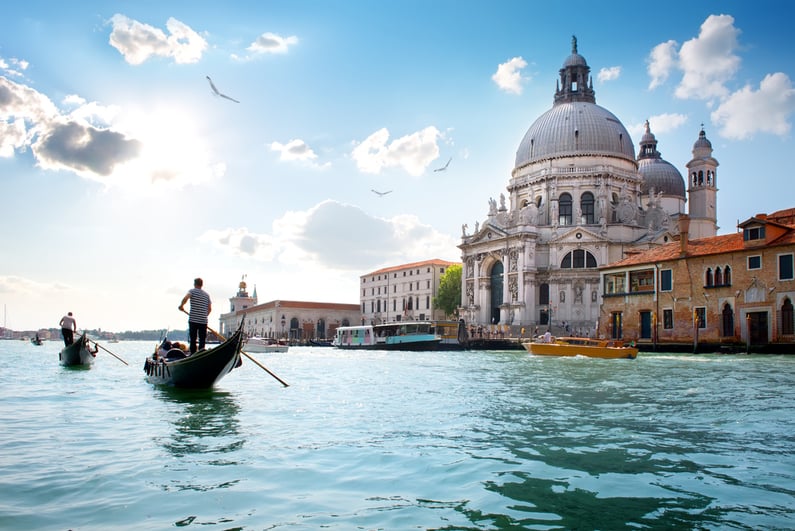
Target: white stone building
[(402, 293), (296, 320), (577, 199)]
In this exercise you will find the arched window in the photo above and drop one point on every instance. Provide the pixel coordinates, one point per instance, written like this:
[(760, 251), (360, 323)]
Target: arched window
[(564, 209), (586, 206), (578, 259), (543, 294), (787, 320), (727, 276), (708, 281), (718, 277), (614, 207), (496, 278), (727, 321)]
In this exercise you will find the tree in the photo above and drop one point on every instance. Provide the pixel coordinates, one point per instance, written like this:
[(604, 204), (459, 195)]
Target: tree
[(449, 296)]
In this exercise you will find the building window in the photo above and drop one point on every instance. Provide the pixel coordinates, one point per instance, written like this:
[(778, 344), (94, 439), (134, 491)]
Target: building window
[(754, 233), (668, 319), (578, 259), (700, 315), (586, 205), (718, 276), (787, 318), (728, 321), (564, 209), (427, 302), (428, 286), (727, 276), (641, 280), (708, 281), (543, 294), (755, 262), (785, 267), (666, 280), (615, 283)]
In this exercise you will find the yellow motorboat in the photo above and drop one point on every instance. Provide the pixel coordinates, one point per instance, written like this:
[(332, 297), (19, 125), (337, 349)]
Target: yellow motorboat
[(581, 346)]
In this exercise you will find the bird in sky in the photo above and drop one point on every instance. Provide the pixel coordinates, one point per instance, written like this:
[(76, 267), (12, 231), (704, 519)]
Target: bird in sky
[(381, 194), (445, 166), (217, 93)]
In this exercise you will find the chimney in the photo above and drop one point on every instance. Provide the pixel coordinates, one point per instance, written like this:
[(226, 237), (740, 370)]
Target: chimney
[(684, 229)]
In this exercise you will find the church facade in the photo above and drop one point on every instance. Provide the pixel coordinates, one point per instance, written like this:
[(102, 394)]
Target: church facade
[(578, 199)]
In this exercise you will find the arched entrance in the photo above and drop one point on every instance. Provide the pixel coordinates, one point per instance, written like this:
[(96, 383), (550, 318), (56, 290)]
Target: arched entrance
[(496, 280)]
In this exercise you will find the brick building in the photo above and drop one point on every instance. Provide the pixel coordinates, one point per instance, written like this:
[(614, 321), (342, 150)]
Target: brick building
[(736, 289)]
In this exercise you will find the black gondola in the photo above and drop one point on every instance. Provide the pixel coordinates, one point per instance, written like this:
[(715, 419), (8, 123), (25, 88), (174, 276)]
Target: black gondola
[(195, 371), (78, 353)]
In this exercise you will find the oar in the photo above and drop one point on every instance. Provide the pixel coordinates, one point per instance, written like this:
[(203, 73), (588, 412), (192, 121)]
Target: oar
[(108, 351), (249, 356)]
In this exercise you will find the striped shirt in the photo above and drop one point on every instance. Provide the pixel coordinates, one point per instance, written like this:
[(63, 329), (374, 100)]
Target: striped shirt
[(199, 305)]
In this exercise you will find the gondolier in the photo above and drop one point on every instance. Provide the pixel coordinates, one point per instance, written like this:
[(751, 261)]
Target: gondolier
[(200, 308), (68, 328)]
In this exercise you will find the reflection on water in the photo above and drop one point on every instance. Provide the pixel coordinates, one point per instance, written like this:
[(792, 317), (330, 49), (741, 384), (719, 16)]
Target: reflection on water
[(205, 421)]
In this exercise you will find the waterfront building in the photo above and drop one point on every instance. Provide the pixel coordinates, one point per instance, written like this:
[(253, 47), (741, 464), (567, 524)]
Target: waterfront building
[(578, 198), (295, 320), (403, 292), (724, 290)]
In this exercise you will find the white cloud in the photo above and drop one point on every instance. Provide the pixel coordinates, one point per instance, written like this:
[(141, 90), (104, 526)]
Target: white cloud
[(609, 74), (708, 61), (412, 152), (509, 75), (662, 59), (104, 143), (749, 111), (659, 124), (272, 43), (296, 150), (137, 42), (13, 66), (321, 238)]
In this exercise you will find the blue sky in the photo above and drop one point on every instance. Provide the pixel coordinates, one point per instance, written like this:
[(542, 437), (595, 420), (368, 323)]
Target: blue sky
[(123, 176)]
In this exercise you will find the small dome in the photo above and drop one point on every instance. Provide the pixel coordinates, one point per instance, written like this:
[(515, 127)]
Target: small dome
[(661, 176), (658, 174), (575, 59), (702, 141)]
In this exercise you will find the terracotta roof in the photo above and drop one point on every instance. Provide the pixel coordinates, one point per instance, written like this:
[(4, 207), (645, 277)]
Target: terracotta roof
[(727, 243), (304, 305), (433, 262)]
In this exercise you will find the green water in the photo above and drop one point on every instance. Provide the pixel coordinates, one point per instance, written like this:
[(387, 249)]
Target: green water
[(377, 440)]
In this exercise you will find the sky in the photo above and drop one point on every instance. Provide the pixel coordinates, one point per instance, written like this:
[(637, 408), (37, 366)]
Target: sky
[(123, 175)]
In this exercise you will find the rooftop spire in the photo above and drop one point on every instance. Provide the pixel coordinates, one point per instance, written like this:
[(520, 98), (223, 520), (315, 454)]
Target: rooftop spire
[(573, 44)]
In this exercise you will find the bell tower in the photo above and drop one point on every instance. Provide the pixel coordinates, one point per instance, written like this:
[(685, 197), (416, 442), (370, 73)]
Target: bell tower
[(242, 300), (702, 189)]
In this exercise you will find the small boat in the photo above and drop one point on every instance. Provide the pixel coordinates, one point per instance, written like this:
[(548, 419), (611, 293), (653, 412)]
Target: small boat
[(581, 346), (321, 342), (78, 353), (177, 368), (405, 335), (264, 344), (36, 340)]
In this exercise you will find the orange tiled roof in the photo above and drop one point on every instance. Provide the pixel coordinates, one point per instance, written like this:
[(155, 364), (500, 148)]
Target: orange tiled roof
[(434, 262), (727, 243)]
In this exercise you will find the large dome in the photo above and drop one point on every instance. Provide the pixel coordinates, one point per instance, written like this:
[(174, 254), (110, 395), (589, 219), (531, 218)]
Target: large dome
[(575, 125), (575, 128)]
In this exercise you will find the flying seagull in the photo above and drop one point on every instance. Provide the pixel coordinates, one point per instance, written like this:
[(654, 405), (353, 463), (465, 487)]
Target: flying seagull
[(445, 166), (215, 90), (381, 194)]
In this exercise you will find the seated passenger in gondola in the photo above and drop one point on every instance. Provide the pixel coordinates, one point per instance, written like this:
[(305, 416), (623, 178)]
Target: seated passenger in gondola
[(170, 351)]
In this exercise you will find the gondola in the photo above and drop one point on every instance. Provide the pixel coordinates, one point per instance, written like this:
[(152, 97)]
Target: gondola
[(79, 353), (199, 370)]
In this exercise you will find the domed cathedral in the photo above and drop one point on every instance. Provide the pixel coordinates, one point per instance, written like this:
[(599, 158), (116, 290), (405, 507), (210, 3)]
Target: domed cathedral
[(577, 199)]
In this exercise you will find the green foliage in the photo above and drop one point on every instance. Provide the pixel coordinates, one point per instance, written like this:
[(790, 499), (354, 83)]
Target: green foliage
[(449, 296)]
